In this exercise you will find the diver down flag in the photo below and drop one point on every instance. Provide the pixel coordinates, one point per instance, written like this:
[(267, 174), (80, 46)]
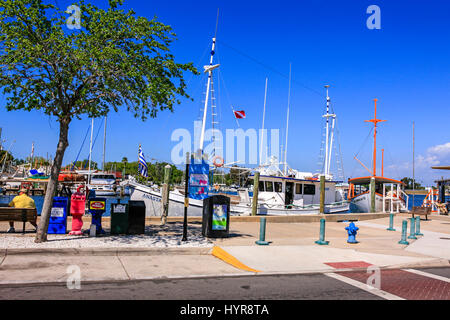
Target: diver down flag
[(239, 114)]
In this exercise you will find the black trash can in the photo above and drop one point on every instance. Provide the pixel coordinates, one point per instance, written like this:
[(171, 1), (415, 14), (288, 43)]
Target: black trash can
[(119, 218), (136, 217), (216, 217)]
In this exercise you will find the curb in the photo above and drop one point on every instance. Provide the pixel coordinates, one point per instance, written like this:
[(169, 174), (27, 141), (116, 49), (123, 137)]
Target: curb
[(109, 251)]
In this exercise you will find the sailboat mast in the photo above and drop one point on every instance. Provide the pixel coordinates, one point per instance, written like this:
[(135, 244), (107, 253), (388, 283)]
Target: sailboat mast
[(208, 69), (262, 132), (375, 141), (327, 131), (375, 122), (90, 151), (104, 145), (287, 120)]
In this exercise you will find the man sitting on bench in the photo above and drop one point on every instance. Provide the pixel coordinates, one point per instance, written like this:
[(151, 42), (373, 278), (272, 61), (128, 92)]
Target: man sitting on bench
[(22, 201)]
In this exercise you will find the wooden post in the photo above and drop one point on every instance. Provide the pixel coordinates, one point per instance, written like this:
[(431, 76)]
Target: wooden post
[(372, 195), (322, 194), (186, 197), (165, 194), (255, 194)]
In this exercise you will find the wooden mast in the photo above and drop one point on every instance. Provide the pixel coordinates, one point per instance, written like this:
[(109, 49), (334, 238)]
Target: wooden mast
[(375, 122)]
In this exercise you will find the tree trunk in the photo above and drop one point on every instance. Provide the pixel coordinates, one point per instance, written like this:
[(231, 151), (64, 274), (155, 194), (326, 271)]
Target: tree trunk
[(41, 235)]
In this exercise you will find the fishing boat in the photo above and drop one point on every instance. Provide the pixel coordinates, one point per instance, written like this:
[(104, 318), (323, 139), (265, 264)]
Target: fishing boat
[(376, 193), (280, 193), (104, 184)]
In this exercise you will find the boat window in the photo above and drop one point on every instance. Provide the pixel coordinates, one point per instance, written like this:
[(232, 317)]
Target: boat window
[(261, 186), (278, 186), (269, 186), (309, 189), (298, 188)]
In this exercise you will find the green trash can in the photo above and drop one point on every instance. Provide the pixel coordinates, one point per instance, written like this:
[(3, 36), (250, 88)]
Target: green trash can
[(119, 218)]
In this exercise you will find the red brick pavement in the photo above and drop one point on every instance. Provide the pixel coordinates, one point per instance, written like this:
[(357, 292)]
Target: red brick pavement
[(404, 284)]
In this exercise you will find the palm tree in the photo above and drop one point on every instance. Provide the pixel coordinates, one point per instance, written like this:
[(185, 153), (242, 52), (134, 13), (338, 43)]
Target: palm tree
[(124, 161)]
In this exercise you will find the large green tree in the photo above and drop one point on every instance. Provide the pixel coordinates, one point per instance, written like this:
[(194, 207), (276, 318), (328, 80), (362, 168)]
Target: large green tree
[(116, 59), (411, 184)]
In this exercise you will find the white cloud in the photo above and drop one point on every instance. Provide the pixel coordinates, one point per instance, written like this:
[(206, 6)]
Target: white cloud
[(441, 151), (434, 156)]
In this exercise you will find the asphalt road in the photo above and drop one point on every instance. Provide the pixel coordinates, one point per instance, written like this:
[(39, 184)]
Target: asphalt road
[(426, 284)]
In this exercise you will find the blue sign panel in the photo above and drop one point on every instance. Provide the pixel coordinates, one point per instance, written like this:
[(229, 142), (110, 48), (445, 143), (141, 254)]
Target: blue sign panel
[(198, 180)]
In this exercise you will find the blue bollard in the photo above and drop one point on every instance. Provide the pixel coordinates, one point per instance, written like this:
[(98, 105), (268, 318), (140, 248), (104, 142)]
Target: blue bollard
[(391, 223), (352, 231), (404, 231), (321, 240), (412, 232), (418, 226), (262, 233)]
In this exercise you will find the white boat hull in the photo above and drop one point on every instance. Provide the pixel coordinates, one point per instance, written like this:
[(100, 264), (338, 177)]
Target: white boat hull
[(153, 201), (361, 204)]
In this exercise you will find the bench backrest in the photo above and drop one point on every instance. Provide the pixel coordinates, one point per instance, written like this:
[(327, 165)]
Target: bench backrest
[(10, 214), (423, 210)]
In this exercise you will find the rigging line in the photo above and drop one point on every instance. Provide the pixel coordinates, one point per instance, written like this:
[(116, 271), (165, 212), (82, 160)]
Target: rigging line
[(340, 152), (228, 95), (360, 149), (98, 131), (82, 145), (271, 68), (388, 148), (365, 140), (217, 23)]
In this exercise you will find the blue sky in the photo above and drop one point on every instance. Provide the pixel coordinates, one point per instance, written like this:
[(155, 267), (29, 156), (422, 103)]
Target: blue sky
[(405, 65)]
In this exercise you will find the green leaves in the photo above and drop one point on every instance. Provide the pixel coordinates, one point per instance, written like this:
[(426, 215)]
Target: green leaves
[(116, 60)]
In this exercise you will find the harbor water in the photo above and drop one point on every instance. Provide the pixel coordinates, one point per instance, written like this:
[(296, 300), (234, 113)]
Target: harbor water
[(39, 200)]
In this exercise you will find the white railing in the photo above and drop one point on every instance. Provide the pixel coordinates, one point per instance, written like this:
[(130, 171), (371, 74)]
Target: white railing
[(394, 198)]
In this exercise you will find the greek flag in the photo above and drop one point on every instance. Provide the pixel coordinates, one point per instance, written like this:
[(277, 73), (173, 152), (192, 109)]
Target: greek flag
[(142, 163)]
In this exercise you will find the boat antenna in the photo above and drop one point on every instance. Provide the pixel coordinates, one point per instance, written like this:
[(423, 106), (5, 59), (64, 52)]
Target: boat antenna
[(287, 120), (208, 69), (413, 161), (375, 122), (262, 131)]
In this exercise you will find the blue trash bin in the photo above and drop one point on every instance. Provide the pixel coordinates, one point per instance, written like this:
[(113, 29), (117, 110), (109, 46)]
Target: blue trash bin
[(58, 216)]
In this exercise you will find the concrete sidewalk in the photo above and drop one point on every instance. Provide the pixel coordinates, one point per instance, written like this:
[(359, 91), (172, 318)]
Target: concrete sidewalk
[(159, 254)]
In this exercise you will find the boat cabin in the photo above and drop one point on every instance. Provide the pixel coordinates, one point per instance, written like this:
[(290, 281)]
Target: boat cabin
[(361, 185), (286, 191)]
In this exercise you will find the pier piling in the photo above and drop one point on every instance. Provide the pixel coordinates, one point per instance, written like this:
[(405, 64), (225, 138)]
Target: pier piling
[(255, 194), (165, 194), (322, 194)]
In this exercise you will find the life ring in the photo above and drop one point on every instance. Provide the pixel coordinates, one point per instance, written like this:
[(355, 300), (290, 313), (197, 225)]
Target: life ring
[(85, 188), (220, 163)]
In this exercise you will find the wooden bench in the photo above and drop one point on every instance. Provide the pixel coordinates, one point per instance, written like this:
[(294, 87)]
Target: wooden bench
[(18, 214), (421, 211)]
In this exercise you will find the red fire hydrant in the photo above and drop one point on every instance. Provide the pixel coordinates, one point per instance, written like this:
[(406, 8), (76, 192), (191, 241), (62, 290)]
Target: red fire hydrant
[(77, 208)]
